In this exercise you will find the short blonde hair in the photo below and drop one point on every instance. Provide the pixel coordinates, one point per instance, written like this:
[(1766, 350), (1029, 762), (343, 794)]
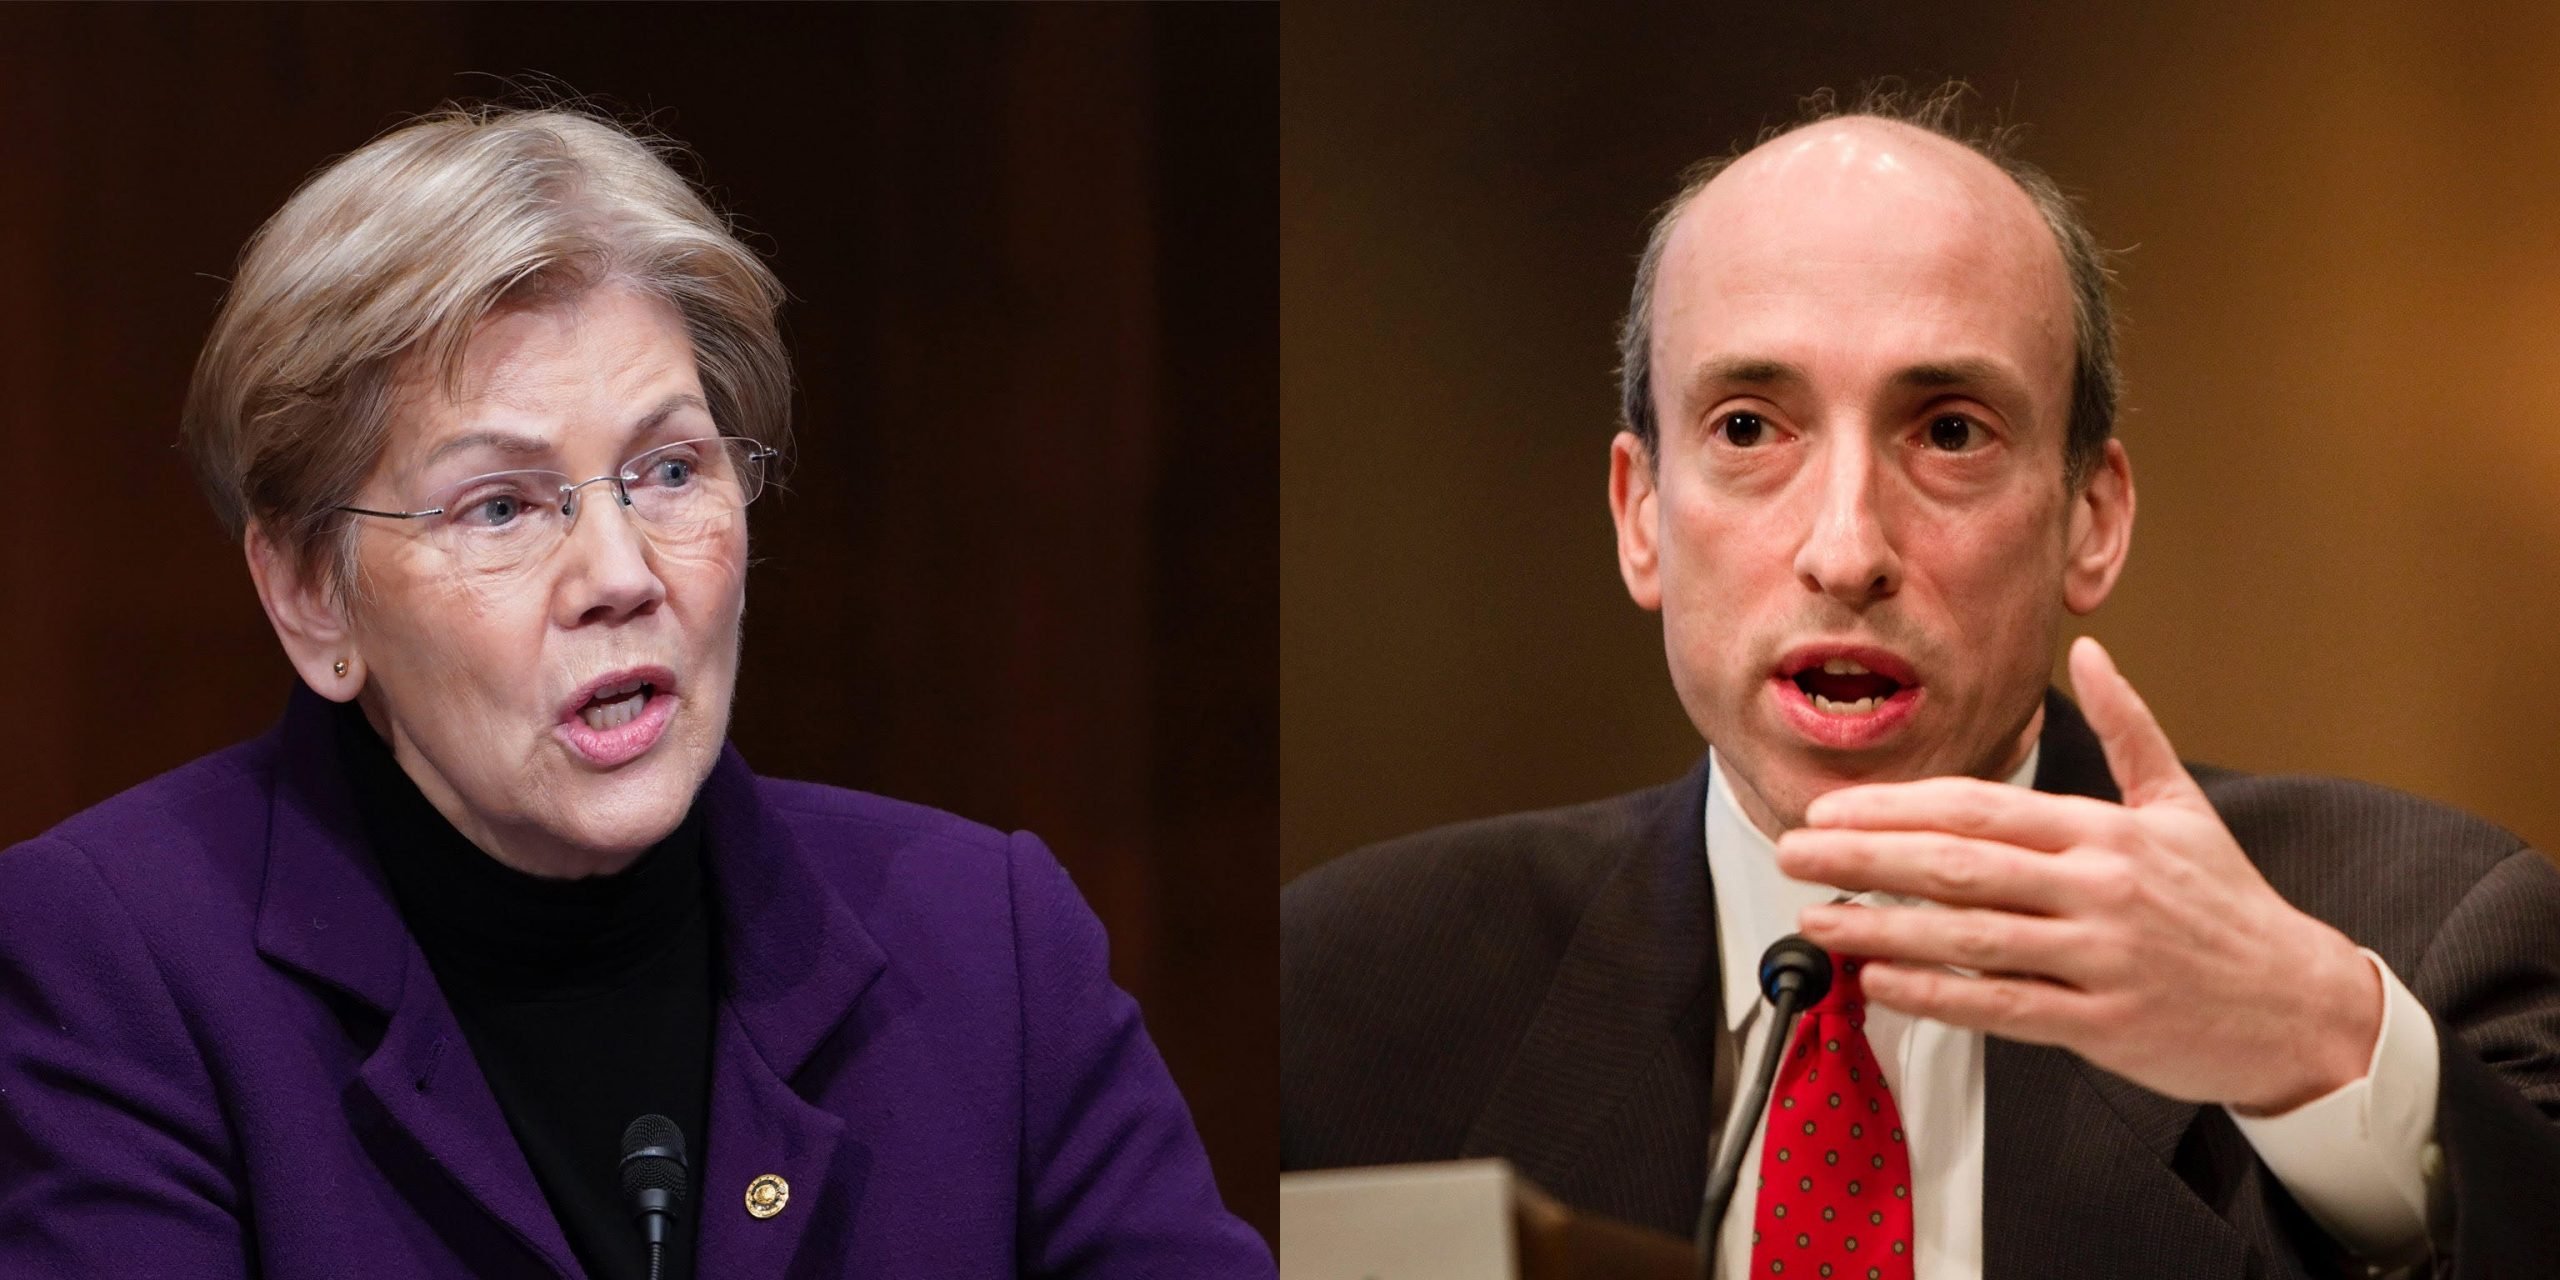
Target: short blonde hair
[(387, 260)]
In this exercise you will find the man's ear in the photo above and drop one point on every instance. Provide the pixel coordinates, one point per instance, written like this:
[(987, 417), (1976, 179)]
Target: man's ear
[(1634, 504), (310, 619), (2101, 531)]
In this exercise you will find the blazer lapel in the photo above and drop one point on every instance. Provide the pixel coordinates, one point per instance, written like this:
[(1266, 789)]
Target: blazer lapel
[(1641, 959), (426, 1083), (2075, 1185), (325, 913), (795, 963), (2077, 1177)]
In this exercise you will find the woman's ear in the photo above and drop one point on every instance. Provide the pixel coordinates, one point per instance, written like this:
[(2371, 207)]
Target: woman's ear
[(310, 619)]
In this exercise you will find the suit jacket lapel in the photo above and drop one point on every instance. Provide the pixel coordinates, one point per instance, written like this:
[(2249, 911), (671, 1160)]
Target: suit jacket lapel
[(1641, 959), (2075, 1185), (796, 962), (325, 913), (2077, 1176), (427, 1085)]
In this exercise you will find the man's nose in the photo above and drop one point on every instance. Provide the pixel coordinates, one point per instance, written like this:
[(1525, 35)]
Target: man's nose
[(1848, 552)]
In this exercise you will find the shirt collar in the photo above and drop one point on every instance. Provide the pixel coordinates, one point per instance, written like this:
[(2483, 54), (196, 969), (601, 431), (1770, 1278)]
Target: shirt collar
[(1756, 904)]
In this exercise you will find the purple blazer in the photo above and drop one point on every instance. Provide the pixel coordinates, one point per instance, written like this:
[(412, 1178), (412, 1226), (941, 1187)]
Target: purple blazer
[(221, 1054)]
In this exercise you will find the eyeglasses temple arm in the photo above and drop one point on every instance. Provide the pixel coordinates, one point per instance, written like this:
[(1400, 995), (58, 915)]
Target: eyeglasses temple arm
[(391, 515)]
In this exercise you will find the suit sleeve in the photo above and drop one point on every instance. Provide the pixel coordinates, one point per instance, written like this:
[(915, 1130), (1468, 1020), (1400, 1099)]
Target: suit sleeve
[(114, 1156), (2492, 979), (1114, 1181)]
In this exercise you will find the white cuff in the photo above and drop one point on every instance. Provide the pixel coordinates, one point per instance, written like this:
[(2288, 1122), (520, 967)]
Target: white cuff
[(2362, 1159)]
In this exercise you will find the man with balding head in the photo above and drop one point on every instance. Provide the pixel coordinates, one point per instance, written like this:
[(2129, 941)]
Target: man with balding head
[(2097, 1015)]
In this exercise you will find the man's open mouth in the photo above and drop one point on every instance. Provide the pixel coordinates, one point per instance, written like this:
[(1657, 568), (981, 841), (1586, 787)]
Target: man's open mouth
[(1840, 686)]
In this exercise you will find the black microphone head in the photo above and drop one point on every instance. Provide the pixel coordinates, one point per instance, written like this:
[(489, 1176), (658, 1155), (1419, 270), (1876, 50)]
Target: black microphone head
[(653, 1158), (1791, 963)]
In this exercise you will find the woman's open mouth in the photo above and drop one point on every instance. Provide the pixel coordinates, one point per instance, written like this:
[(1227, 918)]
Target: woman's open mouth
[(614, 709), (616, 718)]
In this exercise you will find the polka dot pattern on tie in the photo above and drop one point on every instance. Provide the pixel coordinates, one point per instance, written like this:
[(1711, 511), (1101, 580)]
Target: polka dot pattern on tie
[(1846, 1209)]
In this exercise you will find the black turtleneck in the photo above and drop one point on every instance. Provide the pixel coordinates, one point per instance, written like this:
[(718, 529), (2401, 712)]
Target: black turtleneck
[(587, 1002)]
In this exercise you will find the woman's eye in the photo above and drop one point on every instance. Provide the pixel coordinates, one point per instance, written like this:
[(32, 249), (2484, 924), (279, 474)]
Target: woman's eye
[(1742, 430), (494, 511), (672, 472), (1951, 433)]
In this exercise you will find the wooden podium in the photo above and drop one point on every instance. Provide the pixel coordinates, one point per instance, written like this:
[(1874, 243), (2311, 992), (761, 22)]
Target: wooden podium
[(1463, 1220)]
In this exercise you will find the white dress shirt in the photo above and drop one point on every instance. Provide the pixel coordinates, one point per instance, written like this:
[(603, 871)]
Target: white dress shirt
[(2361, 1159)]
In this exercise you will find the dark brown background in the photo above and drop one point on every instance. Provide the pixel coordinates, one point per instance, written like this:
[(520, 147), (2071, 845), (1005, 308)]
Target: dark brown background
[(2342, 304), (1026, 571)]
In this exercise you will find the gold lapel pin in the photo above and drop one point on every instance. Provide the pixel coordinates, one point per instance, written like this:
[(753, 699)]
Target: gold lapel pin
[(767, 1194)]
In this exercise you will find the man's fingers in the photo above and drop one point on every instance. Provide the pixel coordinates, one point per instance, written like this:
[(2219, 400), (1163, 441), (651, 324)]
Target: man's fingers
[(1971, 807), (2028, 1009), (2145, 766), (1953, 870), (1991, 941)]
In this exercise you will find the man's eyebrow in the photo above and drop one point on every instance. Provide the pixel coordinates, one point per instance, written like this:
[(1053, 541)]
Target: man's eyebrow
[(1755, 371), (1722, 373), (1938, 375)]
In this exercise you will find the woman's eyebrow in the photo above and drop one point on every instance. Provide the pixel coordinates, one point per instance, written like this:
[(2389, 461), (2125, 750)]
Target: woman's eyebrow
[(502, 441), (533, 446), (666, 409)]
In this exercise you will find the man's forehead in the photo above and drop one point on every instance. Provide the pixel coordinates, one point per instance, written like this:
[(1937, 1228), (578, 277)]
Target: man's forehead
[(1870, 227), (1844, 156), (1843, 186)]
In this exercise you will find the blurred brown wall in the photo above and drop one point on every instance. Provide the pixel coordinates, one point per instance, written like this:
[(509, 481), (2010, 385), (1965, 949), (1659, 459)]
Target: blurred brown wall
[(2341, 303), (1026, 568)]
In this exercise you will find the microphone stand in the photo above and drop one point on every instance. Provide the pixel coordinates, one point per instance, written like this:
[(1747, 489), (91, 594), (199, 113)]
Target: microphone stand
[(1794, 974)]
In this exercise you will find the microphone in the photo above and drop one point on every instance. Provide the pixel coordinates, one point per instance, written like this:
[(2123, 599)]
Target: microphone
[(1794, 974), (653, 1179)]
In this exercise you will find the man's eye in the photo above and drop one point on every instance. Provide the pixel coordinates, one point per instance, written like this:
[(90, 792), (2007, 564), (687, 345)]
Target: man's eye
[(1952, 433), (1742, 430)]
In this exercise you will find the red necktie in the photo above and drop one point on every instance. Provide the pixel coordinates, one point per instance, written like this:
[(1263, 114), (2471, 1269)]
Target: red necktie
[(1835, 1177)]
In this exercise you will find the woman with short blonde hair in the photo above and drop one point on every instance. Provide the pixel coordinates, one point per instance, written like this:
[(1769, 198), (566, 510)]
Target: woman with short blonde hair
[(493, 957)]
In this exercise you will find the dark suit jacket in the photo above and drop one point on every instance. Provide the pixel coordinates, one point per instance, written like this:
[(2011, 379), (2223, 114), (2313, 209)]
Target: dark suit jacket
[(221, 1054), (1543, 987)]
